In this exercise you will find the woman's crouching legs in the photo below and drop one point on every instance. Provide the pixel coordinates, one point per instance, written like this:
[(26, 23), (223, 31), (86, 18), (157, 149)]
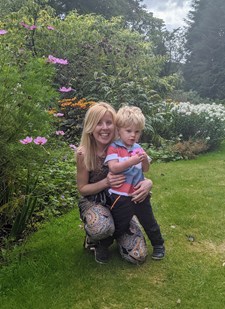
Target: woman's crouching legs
[(98, 221), (132, 244)]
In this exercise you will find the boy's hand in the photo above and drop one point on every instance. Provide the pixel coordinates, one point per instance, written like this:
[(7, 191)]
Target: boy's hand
[(137, 158)]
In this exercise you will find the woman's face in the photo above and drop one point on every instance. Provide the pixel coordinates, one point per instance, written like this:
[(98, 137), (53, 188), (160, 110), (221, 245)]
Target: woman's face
[(104, 130)]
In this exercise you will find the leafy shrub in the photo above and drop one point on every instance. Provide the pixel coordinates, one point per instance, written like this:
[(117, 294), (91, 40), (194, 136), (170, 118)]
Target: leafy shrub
[(162, 153), (189, 149), (56, 188), (40, 192), (25, 93)]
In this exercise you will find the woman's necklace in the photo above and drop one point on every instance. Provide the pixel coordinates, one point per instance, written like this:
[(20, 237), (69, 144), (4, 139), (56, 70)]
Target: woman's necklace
[(102, 154)]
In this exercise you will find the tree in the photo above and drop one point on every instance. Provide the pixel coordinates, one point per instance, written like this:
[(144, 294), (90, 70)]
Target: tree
[(204, 70), (107, 8), (8, 6)]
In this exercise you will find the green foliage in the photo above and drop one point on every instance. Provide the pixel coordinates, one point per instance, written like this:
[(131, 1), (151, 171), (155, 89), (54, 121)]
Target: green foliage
[(162, 153), (127, 8), (103, 56), (93, 44), (43, 190), (25, 95), (204, 70), (24, 98), (26, 209), (8, 6), (56, 188)]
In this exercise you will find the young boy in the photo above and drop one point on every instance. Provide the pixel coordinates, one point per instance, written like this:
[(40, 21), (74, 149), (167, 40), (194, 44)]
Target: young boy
[(126, 156)]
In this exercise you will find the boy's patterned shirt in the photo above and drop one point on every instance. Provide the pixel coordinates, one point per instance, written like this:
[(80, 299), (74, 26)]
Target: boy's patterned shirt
[(118, 151)]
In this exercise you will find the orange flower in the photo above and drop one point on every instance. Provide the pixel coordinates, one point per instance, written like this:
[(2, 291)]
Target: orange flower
[(52, 111)]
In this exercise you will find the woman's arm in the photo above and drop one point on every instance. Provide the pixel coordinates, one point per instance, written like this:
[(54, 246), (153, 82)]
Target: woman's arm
[(86, 188)]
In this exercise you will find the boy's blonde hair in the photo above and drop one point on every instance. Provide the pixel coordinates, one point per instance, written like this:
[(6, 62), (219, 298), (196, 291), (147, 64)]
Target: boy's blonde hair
[(129, 116), (88, 144)]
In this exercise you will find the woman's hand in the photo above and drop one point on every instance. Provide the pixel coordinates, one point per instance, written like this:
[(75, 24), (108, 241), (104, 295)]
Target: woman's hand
[(142, 190), (115, 180)]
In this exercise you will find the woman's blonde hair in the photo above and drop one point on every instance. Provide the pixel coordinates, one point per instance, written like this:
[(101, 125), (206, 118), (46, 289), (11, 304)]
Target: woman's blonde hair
[(88, 144), (129, 116)]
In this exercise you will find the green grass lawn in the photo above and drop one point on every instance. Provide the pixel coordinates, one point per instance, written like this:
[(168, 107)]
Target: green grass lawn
[(51, 270)]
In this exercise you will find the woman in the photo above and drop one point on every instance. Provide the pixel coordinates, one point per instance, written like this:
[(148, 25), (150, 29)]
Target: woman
[(93, 178)]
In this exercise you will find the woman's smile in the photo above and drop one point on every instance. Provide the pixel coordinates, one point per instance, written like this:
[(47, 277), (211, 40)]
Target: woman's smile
[(105, 129)]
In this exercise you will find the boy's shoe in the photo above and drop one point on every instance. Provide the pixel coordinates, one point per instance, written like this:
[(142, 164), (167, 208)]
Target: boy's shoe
[(88, 244), (101, 254), (158, 252)]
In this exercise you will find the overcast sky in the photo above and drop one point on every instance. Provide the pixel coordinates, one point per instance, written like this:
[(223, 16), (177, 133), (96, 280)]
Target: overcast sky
[(171, 11)]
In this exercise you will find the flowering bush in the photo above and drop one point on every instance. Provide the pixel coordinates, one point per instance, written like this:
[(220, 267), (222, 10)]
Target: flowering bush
[(198, 122), (72, 112), (25, 92)]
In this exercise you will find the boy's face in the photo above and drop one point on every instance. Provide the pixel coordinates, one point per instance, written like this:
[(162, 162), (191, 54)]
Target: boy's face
[(129, 135)]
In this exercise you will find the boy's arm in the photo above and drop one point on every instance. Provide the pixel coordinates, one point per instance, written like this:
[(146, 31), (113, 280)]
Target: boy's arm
[(145, 165), (146, 162), (118, 167)]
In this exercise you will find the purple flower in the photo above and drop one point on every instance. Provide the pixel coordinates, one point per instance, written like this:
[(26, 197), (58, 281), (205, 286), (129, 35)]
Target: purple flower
[(64, 89), (73, 147), (33, 27), (24, 25), (50, 28), (40, 140), (59, 132), (53, 59), (58, 115), (26, 140), (62, 61), (2, 32)]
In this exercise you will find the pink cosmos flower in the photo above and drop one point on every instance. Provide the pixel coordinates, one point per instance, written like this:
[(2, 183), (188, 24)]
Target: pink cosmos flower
[(64, 89), (58, 115), (59, 132), (53, 59), (50, 28), (40, 140), (136, 151), (73, 147), (2, 32), (24, 25), (62, 61), (26, 140), (33, 27)]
